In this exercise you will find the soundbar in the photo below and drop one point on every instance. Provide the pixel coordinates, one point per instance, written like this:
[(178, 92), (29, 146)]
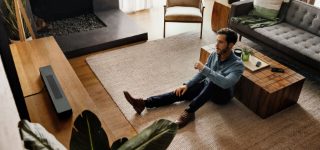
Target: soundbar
[(56, 94)]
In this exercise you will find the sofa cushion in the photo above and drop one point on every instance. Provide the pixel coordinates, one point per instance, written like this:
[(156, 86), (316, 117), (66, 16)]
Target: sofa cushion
[(303, 42), (266, 8), (304, 16), (251, 34)]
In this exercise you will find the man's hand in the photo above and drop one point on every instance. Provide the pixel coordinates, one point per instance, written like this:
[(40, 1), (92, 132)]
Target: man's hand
[(198, 65), (181, 90)]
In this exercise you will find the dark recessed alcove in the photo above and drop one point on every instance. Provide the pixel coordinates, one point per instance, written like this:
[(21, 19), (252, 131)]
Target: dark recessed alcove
[(111, 26)]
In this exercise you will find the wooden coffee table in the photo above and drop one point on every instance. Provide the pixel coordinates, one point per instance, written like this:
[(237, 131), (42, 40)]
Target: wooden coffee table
[(264, 92)]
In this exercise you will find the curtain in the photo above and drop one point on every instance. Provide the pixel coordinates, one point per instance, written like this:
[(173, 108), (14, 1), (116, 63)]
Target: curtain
[(129, 6)]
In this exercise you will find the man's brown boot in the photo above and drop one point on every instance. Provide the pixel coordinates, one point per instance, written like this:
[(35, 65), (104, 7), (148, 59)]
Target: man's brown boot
[(137, 104), (184, 119)]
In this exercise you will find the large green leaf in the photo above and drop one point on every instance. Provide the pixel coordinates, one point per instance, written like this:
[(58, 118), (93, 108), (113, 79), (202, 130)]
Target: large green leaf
[(87, 133), (36, 137), (158, 136), (116, 144)]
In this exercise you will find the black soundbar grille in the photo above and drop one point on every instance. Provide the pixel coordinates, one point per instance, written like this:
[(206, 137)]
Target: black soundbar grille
[(54, 87)]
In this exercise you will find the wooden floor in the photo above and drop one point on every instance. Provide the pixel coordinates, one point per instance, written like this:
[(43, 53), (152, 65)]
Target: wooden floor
[(152, 21)]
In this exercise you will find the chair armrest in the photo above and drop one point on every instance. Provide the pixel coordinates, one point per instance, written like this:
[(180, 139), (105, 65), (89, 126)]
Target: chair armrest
[(202, 6), (241, 8)]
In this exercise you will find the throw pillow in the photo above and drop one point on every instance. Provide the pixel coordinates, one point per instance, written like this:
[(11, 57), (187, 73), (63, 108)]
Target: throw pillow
[(36, 137), (268, 9)]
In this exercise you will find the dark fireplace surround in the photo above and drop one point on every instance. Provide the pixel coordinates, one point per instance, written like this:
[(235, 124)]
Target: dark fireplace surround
[(119, 28), (59, 9)]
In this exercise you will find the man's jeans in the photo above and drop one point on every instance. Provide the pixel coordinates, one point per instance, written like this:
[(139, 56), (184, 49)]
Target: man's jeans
[(198, 94)]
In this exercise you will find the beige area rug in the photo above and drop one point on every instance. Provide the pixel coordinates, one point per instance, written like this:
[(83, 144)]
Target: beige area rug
[(159, 66)]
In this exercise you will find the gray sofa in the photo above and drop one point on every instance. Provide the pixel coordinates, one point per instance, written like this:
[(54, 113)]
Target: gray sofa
[(295, 38)]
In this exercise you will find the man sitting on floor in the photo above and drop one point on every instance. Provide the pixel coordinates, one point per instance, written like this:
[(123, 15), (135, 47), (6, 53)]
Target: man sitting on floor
[(214, 81)]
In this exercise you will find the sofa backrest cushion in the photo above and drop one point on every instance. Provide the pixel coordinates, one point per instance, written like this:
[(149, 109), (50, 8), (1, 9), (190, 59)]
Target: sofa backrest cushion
[(304, 16), (268, 9)]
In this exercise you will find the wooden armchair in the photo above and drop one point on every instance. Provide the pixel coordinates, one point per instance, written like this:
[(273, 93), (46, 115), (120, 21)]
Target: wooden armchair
[(187, 11)]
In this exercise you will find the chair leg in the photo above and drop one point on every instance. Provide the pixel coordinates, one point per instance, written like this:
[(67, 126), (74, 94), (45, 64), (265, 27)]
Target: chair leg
[(201, 30), (240, 37), (164, 29)]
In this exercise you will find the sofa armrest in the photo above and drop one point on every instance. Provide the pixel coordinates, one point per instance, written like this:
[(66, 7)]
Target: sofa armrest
[(241, 8)]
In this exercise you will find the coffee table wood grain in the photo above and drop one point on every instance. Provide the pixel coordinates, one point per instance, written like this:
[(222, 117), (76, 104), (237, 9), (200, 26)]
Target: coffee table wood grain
[(264, 92)]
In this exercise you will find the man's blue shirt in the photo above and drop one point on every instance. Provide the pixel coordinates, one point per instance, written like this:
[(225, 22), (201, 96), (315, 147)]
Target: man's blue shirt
[(225, 73)]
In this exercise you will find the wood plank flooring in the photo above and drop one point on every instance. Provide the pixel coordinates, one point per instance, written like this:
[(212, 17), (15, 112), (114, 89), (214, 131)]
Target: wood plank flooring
[(152, 21)]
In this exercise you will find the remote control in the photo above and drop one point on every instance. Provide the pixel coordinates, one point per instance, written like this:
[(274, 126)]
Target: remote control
[(274, 69), (258, 64)]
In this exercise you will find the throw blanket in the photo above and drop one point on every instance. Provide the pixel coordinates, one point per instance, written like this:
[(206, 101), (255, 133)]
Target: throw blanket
[(254, 22), (259, 22)]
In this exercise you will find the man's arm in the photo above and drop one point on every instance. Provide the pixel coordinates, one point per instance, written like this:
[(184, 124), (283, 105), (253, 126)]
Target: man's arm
[(227, 81), (199, 76)]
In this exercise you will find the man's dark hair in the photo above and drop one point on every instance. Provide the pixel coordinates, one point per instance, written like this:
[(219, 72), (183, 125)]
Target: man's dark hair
[(231, 36)]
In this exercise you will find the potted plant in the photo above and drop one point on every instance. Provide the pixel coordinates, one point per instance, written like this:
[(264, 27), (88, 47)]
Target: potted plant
[(7, 12), (157, 136), (88, 134), (246, 54)]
